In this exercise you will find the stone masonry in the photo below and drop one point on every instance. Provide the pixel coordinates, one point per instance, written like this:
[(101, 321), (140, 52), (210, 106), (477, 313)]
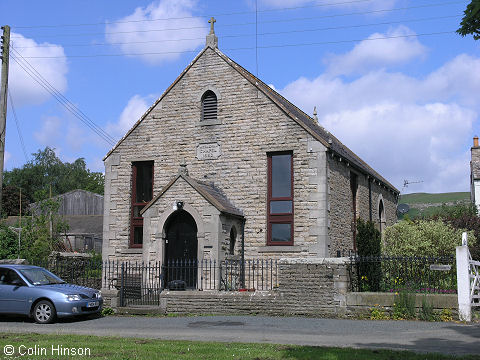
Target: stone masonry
[(249, 125)]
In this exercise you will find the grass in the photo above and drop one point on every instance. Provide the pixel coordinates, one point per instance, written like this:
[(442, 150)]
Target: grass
[(426, 198), (128, 348)]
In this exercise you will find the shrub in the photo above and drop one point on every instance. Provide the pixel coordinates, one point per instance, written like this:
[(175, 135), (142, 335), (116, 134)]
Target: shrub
[(423, 238), (107, 311), (368, 244), (446, 315), (426, 312), (378, 313), (464, 217), (404, 306)]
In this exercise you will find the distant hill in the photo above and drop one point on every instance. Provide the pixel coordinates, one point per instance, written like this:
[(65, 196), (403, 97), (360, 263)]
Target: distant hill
[(425, 204)]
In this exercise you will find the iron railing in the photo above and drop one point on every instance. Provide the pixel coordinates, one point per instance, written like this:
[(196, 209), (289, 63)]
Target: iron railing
[(78, 271), (397, 273)]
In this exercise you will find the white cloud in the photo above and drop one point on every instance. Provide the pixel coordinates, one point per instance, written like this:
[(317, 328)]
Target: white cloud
[(370, 54), (139, 34), (24, 89), (50, 131), (135, 108), (405, 127), (366, 4)]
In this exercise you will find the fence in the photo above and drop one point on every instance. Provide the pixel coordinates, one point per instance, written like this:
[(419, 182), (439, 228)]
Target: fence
[(141, 284), (78, 271), (396, 273)]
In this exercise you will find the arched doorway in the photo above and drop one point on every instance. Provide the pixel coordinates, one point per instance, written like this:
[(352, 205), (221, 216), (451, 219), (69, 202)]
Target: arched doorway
[(181, 246)]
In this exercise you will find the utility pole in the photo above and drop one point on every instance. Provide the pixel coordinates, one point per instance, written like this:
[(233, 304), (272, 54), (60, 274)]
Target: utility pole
[(3, 100)]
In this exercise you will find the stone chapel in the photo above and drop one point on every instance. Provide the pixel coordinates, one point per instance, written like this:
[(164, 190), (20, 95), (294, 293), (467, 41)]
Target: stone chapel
[(222, 165)]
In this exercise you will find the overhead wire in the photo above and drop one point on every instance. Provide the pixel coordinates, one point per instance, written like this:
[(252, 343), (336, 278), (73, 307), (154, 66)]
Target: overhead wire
[(191, 17), (247, 48), (22, 143), (247, 35), (253, 23), (72, 108)]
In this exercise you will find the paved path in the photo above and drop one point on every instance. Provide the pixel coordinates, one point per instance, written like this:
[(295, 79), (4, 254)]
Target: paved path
[(448, 338)]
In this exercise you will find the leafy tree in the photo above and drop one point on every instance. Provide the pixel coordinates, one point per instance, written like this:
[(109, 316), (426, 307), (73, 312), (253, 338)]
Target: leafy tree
[(471, 20), (11, 201), (41, 232), (8, 243), (46, 171), (462, 217), (423, 238)]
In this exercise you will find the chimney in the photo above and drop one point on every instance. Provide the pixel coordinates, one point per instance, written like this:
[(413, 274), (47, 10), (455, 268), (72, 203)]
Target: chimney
[(475, 141)]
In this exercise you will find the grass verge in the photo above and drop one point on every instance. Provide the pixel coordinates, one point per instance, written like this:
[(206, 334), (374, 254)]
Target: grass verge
[(39, 346)]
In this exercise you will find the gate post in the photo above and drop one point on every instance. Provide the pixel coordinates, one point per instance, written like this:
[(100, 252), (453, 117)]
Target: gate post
[(463, 282)]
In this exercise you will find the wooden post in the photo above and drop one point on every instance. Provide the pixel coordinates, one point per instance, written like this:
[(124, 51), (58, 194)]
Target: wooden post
[(3, 100)]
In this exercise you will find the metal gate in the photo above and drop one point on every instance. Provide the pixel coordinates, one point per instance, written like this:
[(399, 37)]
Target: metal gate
[(140, 284)]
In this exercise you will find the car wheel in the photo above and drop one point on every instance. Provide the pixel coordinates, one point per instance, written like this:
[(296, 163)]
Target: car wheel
[(44, 312)]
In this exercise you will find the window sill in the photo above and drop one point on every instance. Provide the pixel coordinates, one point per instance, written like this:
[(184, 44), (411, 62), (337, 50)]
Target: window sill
[(132, 251), (280, 249), (210, 122)]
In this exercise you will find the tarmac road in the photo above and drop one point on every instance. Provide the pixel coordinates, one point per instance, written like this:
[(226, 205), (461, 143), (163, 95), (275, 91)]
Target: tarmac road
[(447, 338)]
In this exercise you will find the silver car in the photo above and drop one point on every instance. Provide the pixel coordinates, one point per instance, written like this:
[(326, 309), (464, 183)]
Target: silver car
[(36, 292)]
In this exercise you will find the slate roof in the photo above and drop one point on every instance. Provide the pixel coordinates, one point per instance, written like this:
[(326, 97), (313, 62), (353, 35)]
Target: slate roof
[(208, 191), (304, 120)]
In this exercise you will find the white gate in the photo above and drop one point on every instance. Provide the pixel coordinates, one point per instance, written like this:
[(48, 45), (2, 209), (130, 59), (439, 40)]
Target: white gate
[(474, 276)]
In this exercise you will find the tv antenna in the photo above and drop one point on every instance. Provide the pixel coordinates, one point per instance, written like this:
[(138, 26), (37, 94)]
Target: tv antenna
[(407, 182)]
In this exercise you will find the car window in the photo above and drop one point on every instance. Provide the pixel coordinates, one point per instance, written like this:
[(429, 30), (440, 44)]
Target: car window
[(40, 276), (8, 276), (3, 276)]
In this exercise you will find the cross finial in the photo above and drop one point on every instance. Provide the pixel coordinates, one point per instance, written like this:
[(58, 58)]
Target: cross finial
[(315, 113), (212, 22)]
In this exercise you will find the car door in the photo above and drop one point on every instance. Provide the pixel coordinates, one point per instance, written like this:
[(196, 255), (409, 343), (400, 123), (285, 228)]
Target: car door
[(14, 293)]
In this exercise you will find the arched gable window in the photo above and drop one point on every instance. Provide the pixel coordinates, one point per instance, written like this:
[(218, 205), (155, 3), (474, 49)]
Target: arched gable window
[(209, 106)]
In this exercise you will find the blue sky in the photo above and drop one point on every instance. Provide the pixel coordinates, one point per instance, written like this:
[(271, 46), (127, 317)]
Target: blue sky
[(389, 78)]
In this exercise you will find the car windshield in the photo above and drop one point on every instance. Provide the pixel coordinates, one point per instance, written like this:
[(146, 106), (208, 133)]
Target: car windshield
[(39, 276)]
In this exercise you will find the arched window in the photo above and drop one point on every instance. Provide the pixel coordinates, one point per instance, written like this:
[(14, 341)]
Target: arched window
[(209, 106), (381, 216), (233, 238)]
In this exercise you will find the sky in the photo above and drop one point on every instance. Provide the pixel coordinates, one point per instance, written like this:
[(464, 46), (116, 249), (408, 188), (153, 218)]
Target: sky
[(389, 78)]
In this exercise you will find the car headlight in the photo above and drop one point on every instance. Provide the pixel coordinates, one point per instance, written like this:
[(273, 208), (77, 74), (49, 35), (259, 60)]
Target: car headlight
[(73, 297)]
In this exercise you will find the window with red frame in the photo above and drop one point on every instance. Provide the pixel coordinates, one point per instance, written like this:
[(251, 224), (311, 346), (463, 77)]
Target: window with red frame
[(142, 193), (280, 199)]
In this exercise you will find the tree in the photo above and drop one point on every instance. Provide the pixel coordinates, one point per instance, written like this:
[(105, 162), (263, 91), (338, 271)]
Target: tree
[(471, 20), (45, 173), (11, 201)]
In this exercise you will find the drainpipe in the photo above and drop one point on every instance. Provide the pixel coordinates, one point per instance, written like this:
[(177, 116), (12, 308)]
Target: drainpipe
[(242, 264), (370, 198)]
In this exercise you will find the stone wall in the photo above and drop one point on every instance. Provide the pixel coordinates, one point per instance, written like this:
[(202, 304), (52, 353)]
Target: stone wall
[(306, 287), (312, 287), (340, 204), (249, 126)]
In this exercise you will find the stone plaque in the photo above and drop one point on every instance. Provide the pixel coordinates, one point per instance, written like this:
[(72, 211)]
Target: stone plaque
[(208, 151)]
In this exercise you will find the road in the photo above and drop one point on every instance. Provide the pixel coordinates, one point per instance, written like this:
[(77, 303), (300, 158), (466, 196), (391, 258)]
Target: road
[(448, 338)]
